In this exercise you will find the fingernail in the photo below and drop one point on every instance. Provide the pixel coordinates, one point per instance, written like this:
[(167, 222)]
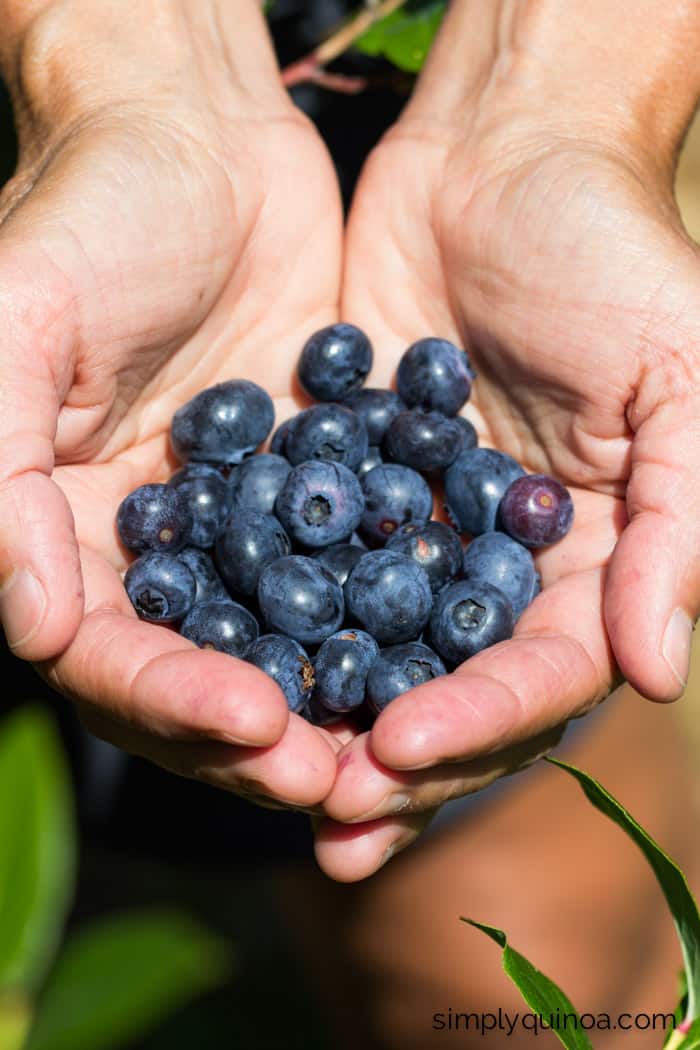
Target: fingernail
[(676, 644), (22, 607)]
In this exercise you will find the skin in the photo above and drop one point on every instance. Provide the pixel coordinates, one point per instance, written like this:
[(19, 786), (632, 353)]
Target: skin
[(136, 247)]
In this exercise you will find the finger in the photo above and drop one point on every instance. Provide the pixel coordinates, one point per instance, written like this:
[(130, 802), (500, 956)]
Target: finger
[(653, 591), (364, 789), (41, 591), (350, 852)]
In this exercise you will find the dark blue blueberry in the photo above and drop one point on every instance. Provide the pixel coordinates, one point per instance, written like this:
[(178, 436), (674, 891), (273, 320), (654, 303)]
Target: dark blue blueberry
[(495, 558), (432, 545), (471, 438), (224, 423), (468, 617), (394, 495), (278, 444), (201, 565), (300, 598), (247, 544), (207, 496), (222, 625), (341, 667), (389, 595), (400, 668), (318, 715), (372, 459), (536, 510), (436, 375), (377, 408), (334, 362), (339, 559), (328, 432), (256, 483), (320, 503), (474, 487), (426, 441), (193, 469), (161, 587), (154, 517), (285, 661)]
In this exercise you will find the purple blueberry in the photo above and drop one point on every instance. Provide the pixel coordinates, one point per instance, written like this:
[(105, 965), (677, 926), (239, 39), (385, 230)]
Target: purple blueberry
[(286, 663), (155, 517), (341, 667), (160, 587), (224, 423), (394, 495), (474, 486), (207, 496), (320, 503), (426, 441), (201, 565), (436, 375), (536, 510), (377, 408), (222, 625), (432, 545), (247, 544), (399, 668), (499, 560), (389, 595), (339, 559), (334, 362), (328, 431), (468, 617), (299, 598), (257, 482)]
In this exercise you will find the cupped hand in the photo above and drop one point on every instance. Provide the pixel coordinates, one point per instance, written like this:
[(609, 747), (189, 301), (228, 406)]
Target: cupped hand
[(561, 264)]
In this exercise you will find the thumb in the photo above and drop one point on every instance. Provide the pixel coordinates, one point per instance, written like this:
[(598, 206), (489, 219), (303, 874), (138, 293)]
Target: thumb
[(41, 594), (652, 596)]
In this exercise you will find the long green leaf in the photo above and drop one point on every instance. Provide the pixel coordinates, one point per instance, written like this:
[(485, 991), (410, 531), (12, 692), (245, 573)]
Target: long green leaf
[(15, 1019), (405, 36), (37, 846), (121, 976), (542, 995), (671, 879)]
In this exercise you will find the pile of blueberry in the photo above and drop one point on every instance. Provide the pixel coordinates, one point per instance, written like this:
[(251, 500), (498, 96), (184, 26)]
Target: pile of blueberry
[(318, 562)]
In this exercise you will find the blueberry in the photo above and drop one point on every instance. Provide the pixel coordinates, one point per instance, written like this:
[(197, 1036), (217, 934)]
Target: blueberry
[(389, 595), (469, 616), (341, 667), (470, 438), (426, 441), (372, 459), (320, 503), (318, 715), (224, 423), (334, 362), (474, 486), (221, 625), (278, 444), (339, 559), (285, 661), (433, 546), (400, 668), (495, 558), (394, 495), (207, 496), (154, 517), (300, 598), (436, 375), (328, 432), (193, 469), (377, 408), (256, 483), (161, 587), (536, 510), (201, 565), (247, 544)]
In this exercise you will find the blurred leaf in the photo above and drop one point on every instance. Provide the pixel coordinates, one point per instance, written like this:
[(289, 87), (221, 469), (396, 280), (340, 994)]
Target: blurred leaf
[(15, 1018), (405, 36), (120, 977), (37, 846), (542, 995), (671, 879)]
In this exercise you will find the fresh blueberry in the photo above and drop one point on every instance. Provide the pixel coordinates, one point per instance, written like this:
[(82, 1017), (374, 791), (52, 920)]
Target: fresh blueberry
[(224, 423), (285, 661), (318, 715), (160, 586), (278, 444), (247, 544), (495, 558), (320, 503), (394, 495), (468, 617), (389, 595), (207, 496), (339, 559), (201, 565), (222, 625), (474, 487), (426, 441), (328, 431), (341, 667), (372, 459), (300, 598), (155, 517), (334, 362), (471, 438), (377, 408), (399, 668), (536, 510), (434, 546), (193, 469), (256, 483), (436, 375)]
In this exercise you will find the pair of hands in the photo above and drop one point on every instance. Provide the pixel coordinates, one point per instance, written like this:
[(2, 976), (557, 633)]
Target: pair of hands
[(151, 248)]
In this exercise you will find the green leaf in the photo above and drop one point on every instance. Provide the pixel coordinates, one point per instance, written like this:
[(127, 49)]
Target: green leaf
[(121, 976), (15, 1019), (541, 994), (37, 846), (671, 879), (405, 36)]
